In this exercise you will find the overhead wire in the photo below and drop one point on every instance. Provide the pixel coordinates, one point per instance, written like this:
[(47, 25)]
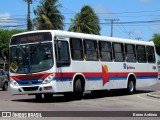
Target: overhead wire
[(127, 23)]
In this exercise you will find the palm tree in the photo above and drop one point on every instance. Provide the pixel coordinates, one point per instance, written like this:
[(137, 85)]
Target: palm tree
[(85, 22), (48, 15)]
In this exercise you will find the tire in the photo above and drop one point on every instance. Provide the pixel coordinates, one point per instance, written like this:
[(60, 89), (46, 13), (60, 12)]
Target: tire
[(131, 87), (5, 86), (48, 96), (78, 89), (69, 95), (38, 97)]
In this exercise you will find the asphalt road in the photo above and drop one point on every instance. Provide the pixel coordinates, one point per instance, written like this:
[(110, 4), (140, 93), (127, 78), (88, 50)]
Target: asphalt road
[(108, 101)]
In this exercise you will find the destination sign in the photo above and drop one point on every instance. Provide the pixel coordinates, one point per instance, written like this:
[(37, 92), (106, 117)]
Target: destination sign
[(32, 37)]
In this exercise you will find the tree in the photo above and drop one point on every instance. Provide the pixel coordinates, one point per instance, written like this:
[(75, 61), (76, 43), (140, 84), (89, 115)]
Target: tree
[(85, 22), (5, 36), (48, 15), (156, 40)]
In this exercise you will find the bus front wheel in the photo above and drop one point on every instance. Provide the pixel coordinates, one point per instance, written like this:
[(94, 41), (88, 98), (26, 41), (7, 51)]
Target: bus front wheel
[(48, 96), (78, 89), (38, 97)]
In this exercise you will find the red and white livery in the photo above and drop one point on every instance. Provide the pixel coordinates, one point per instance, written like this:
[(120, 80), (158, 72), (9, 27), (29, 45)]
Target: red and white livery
[(52, 61)]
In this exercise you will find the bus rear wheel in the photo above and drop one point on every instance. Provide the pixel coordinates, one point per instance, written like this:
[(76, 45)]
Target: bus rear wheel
[(131, 87)]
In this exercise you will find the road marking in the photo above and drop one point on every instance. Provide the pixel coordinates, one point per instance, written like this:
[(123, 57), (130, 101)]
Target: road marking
[(147, 98)]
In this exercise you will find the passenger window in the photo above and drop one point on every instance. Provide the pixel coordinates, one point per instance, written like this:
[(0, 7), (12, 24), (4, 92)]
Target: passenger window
[(91, 50), (105, 50), (118, 52), (130, 53), (150, 54), (141, 54), (76, 49), (62, 53)]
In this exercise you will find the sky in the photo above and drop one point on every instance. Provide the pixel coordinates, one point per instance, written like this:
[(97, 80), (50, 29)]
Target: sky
[(134, 19)]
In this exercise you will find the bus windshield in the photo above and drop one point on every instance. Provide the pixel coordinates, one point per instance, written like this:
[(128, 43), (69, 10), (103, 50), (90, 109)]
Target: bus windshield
[(31, 58)]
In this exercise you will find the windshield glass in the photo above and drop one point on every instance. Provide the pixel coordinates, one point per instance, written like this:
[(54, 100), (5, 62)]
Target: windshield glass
[(31, 58)]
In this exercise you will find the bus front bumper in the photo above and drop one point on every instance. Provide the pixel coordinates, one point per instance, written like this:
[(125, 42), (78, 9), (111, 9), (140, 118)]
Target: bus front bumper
[(34, 89)]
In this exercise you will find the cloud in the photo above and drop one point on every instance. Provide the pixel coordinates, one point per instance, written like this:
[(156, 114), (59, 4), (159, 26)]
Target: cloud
[(6, 20), (4, 16), (146, 1), (102, 10), (137, 32), (155, 27)]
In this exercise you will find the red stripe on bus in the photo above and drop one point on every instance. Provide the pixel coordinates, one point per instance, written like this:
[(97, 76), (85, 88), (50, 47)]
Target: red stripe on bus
[(30, 76), (114, 74), (86, 74)]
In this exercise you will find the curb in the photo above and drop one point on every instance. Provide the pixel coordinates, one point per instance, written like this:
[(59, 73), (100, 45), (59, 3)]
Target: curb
[(152, 95)]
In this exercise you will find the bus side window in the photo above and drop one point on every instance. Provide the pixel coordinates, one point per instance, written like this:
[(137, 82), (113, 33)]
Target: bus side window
[(141, 54), (105, 50), (62, 53), (150, 54), (130, 53), (76, 49), (118, 52), (91, 50)]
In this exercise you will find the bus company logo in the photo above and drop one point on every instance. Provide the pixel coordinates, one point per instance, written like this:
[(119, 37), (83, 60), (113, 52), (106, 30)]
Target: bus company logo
[(30, 83), (125, 66), (105, 76)]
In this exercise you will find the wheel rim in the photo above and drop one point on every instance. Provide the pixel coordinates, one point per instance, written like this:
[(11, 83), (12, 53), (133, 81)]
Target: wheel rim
[(131, 86), (78, 86)]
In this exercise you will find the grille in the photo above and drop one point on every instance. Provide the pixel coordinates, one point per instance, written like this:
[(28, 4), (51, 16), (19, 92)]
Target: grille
[(30, 88), (27, 83)]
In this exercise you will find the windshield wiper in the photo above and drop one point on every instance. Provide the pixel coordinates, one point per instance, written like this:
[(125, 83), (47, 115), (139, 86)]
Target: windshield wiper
[(19, 46)]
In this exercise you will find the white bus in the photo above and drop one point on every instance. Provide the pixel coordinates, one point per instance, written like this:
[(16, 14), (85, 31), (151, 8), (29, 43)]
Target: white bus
[(52, 61), (159, 72)]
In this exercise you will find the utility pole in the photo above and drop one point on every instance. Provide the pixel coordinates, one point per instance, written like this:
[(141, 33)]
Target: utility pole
[(129, 34), (111, 24), (138, 38), (29, 23)]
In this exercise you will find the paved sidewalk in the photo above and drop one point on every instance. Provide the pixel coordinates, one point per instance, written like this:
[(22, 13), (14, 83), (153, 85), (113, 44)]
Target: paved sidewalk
[(154, 94)]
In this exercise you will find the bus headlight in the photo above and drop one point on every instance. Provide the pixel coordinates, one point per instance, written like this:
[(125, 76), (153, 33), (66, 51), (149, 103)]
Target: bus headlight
[(13, 82), (48, 79)]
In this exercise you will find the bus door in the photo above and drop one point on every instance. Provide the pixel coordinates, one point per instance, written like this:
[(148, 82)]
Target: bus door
[(62, 57)]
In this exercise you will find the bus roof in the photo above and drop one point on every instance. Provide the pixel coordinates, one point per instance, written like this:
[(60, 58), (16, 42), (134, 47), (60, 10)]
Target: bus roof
[(60, 33)]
